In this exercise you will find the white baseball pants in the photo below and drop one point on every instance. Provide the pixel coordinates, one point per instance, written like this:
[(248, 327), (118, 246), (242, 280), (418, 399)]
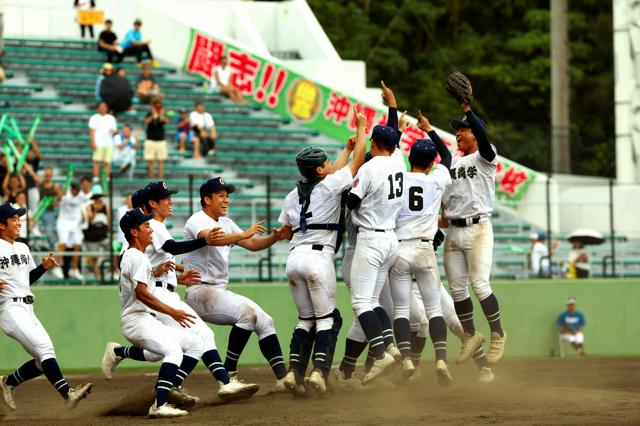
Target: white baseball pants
[(577, 338), (18, 321)]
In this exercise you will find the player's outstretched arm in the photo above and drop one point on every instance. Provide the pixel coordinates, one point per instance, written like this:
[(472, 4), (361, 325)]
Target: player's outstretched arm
[(145, 296), (260, 243), (360, 148), (189, 277), (228, 239), (343, 157), (478, 130), (443, 151)]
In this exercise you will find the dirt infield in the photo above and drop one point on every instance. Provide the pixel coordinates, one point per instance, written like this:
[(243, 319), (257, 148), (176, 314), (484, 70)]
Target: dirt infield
[(548, 391)]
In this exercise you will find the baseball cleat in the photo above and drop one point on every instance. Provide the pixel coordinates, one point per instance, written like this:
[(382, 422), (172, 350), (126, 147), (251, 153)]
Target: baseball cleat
[(407, 367), (280, 386), (110, 360), (394, 352), (348, 384), (75, 395), (296, 389), (496, 348), (8, 393), (180, 397), (317, 383), (470, 345), (234, 391), (442, 371), (486, 375), (166, 410), (379, 367), (416, 377)]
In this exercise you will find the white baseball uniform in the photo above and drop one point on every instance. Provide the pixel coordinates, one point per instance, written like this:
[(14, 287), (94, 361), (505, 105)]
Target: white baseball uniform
[(211, 299), (140, 325), (468, 250), (17, 317), (70, 219)]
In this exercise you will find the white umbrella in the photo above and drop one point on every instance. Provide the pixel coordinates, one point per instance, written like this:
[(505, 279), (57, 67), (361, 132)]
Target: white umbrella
[(586, 236)]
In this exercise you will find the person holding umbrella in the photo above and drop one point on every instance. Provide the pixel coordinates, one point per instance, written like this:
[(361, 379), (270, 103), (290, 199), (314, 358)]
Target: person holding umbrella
[(579, 266)]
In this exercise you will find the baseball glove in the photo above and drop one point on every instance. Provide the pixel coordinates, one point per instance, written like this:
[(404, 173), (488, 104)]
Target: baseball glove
[(459, 86), (438, 239)]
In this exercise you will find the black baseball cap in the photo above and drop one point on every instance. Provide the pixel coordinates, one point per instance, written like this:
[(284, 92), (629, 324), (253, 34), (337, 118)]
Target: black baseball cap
[(132, 219), (139, 198), (385, 135), (464, 123), (423, 152), (214, 185), (157, 191), (8, 209)]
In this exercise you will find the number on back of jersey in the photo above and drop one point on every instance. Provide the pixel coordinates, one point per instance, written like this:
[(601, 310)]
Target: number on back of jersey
[(395, 185)]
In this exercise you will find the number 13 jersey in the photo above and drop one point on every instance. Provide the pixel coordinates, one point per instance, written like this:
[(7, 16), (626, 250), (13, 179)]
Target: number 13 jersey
[(421, 202), (380, 185)]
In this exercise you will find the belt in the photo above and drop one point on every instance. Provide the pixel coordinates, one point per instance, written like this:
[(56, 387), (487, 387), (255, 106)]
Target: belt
[(374, 230), (317, 247), (461, 223), (424, 240), (27, 299), (170, 287)]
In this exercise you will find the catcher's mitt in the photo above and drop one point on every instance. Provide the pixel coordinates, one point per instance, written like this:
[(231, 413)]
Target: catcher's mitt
[(459, 86)]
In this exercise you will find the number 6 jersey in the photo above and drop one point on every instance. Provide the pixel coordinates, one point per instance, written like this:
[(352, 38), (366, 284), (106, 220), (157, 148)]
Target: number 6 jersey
[(421, 202)]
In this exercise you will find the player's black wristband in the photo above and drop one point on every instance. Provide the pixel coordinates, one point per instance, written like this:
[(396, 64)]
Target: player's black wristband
[(36, 273), (175, 248)]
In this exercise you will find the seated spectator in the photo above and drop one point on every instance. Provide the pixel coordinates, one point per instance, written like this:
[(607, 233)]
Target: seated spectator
[(11, 185), (96, 236), (107, 43), (46, 187), (155, 145), (146, 86), (106, 70), (204, 128), (579, 266), (539, 255), (85, 5), (86, 189), (69, 230), (124, 153), (220, 82), (184, 134), (134, 45), (121, 72), (571, 326), (102, 127)]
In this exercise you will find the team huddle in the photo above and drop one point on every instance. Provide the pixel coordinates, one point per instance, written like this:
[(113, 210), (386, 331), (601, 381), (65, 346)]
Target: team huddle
[(392, 218)]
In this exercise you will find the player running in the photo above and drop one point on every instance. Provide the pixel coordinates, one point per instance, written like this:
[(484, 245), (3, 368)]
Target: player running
[(17, 317)]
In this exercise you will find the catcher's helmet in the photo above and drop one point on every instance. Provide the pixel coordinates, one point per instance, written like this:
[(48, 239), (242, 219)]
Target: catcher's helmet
[(310, 158), (423, 152)]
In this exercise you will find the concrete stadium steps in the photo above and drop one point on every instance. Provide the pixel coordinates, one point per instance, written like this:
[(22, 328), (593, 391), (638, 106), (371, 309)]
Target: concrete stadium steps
[(48, 64), (57, 43), (61, 78)]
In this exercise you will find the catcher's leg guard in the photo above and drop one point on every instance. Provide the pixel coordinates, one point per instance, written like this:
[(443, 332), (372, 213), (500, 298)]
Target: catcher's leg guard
[(325, 344)]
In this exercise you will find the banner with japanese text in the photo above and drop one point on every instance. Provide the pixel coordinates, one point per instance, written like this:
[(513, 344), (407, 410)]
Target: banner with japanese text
[(275, 87)]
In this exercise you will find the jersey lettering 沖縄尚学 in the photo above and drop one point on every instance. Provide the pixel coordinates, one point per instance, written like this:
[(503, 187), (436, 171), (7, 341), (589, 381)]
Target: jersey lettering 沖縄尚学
[(380, 185), (324, 208), (211, 261), (421, 203), (15, 265), (473, 187), (156, 255), (134, 268)]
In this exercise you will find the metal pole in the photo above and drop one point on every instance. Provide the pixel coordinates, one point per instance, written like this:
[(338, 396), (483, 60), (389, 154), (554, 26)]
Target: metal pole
[(560, 86), (269, 254), (27, 224), (190, 195), (548, 202), (612, 231), (111, 227)]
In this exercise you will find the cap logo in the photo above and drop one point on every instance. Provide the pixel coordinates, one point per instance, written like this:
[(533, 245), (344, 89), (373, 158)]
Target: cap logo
[(221, 181), (464, 117), (15, 206), (164, 185)]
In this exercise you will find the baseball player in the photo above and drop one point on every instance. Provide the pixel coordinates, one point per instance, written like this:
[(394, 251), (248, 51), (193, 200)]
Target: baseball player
[(416, 227), (17, 317), (161, 253), (312, 211), (138, 316), (211, 299), (468, 203)]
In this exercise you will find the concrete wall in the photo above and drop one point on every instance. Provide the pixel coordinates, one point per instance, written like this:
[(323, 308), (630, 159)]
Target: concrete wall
[(82, 320)]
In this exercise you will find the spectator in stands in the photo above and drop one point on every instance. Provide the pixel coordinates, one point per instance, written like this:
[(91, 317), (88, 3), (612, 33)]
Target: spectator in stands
[(134, 45), (33, 160), (121, 72), (220, 82), (85, 5), (155, 145), (105, 71), (107, 43), (579, 266), (146, 86), (21, 201), (102, 127), (571, 325), (47, 187), (184, 134), (11, 185), (539, 257), (204, 128), (124, 153), (86, 189), (69, 229), (97, 233)]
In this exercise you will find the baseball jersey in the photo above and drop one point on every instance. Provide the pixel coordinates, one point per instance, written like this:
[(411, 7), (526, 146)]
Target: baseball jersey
[(573, 320), (473, 187), (211, 261), (352, 230), (420, 204), (380, 185), (324, 207), (156, 255), (134, 268), (15, 264)]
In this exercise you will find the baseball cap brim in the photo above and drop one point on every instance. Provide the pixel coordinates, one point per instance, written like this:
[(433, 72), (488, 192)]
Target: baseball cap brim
[(459, 124), (20, 212)]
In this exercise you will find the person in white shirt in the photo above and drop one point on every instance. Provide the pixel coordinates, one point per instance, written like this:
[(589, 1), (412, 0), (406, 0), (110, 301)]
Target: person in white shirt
[(69, 229), (124, 154), (313, 212), (539, 260), (17, 318), (220, 82), (204, 128), (102, 127)]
